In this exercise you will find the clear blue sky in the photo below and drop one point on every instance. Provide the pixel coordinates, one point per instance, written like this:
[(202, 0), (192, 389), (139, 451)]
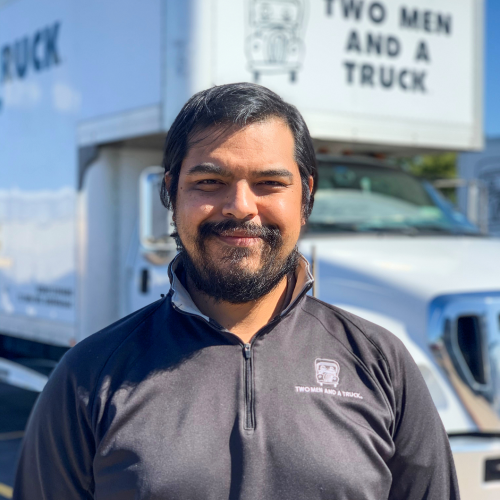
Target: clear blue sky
[(492, 69)]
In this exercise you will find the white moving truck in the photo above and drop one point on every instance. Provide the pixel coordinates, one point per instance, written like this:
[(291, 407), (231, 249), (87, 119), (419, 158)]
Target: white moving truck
[(483, 168), (87, 93)]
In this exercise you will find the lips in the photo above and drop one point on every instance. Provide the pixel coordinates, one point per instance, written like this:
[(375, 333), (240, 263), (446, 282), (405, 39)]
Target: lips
[(239, 239), (239, 234)]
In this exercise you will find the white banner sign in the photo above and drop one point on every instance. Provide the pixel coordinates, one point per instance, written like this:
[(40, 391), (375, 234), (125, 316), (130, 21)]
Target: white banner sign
[(389, 71)]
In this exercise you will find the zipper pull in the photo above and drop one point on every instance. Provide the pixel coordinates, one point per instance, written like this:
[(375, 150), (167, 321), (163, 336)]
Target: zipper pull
[(247, 351)]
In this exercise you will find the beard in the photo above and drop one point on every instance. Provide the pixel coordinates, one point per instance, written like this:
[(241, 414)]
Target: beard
[(226, 277)]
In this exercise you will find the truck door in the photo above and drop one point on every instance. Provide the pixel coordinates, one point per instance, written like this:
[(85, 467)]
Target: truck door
[(151, 253)]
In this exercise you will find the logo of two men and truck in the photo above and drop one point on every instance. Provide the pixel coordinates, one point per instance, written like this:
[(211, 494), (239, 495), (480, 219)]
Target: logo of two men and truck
[(275, 43), (328, 378)]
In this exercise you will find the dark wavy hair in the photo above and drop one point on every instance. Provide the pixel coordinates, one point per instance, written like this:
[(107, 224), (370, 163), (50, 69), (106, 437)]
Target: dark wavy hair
[(226, 106)]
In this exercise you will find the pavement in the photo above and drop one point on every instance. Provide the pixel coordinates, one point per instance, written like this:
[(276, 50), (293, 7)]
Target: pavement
[(15, 408)]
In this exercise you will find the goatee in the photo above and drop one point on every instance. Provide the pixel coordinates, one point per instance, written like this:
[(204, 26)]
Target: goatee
[(234, 283)]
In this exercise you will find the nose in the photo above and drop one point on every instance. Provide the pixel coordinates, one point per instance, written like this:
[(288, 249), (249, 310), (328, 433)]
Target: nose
[(240, 202)]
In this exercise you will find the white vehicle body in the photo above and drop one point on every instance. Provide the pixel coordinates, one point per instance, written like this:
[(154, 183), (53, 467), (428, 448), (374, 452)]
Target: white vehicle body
[(484, 168), (411, 286), (87, 93)]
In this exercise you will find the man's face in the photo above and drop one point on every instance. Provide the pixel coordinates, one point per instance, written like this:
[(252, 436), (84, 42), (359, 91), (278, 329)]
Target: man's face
[(238, 210)]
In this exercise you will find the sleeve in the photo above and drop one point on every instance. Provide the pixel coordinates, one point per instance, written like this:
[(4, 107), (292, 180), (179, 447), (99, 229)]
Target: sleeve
[(58, 448), (422, 466)]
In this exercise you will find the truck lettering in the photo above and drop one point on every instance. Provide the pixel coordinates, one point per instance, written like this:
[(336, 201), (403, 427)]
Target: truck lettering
[(374, 43), (409, 19), (387, 77), (354, 8), (6, 57), (384, 81), (376, 12), (378, 44), (348, 7), (422, 52), (21, 57), (37, 62), (353, 42), (393, 46), (350, 71), (402, 80), (427, 20), (418, 81), (51, 52), (367, 74), (37, 52)]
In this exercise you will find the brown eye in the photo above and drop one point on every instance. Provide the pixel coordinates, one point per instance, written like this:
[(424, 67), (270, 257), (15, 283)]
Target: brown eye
[(208, 185), (272, 183)]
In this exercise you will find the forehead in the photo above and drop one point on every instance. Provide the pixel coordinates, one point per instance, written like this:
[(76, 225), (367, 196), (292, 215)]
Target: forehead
[(254, 146)]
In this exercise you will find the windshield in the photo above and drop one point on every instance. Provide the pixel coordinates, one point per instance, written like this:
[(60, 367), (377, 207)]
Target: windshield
[(364, 197)]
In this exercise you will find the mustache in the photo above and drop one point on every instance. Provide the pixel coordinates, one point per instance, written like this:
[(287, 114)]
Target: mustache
[(269, 233)]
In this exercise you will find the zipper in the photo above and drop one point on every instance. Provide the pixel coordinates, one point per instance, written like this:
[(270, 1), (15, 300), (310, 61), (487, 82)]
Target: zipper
[(249, 407), (247, 356), (247, 353)]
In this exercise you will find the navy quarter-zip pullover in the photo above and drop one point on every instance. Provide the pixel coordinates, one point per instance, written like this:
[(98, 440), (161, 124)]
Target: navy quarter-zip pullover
[(167, 405)]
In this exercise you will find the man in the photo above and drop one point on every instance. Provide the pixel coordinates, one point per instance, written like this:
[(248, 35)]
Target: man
[(237, 385)]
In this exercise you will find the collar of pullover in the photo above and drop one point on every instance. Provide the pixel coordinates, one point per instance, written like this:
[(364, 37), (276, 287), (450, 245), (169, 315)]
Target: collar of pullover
[(183, 301)]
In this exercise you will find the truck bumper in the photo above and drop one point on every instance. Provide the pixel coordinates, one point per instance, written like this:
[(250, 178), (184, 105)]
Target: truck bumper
[(477, 461), (19, 376)]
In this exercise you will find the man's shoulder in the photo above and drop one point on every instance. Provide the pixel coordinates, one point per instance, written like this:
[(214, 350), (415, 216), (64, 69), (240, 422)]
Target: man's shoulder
[(377, 351), (92, 353), (356, 332)]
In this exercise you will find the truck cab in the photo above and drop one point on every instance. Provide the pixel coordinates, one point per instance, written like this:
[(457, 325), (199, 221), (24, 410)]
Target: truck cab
[(388, 247)]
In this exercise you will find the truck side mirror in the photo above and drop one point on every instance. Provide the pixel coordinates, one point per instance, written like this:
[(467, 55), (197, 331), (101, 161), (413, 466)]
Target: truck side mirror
[(154, 219), (474, 200)]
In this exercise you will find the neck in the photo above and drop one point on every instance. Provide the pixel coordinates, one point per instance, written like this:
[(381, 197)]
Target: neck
[(243, 320)]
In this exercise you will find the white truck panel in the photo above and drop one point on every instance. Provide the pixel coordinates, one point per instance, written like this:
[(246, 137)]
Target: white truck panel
[(118, 55), (450, 409), (470, 455), (71, 74), (387, 73), (108, 212), (37, 264)]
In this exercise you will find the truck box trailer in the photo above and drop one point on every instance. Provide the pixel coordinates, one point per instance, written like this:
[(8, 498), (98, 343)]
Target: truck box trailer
[(87, 93)]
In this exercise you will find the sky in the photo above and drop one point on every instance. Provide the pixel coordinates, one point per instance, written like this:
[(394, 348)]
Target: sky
[(492, 69)]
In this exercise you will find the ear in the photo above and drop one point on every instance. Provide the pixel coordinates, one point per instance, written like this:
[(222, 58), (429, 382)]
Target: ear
[(168, 181), (311, 186)]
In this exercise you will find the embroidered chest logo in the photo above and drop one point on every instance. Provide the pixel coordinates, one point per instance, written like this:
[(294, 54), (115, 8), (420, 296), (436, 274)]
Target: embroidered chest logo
[(328, 378), (327, 372)]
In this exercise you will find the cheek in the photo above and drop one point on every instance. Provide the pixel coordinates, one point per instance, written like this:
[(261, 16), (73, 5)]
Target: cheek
[(287, 216), (190, 213)]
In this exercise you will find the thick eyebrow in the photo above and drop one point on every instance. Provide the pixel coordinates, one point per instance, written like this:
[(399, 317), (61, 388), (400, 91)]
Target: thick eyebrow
[(273, 172), (209, 168)]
